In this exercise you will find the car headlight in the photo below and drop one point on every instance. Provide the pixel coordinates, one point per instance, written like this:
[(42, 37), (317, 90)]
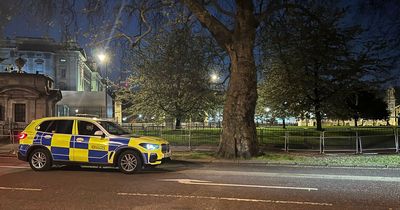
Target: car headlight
[(149, 146)]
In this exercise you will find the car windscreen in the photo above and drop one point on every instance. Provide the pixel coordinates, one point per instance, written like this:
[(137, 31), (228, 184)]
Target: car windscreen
[(113, 128)]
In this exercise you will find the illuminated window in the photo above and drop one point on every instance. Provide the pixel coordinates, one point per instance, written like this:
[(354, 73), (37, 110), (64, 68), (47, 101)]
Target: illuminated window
[(19, 112)]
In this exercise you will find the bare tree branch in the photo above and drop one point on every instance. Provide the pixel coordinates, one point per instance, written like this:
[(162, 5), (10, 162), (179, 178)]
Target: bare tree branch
[(220, 32), (220, 9)]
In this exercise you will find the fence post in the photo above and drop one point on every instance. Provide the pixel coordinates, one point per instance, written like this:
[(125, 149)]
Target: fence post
[(396, 139), (286, 141), (321, 142), (357, 142)]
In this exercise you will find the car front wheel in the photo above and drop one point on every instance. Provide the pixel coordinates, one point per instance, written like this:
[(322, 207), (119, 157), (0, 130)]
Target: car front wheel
[(40, 160), (129, 162)]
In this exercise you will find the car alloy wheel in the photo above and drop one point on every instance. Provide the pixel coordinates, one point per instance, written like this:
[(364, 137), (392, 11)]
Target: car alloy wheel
[(129, 162), (40, 160)]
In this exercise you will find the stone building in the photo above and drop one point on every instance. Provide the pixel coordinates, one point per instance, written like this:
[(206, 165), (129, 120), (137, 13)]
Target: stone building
[(25, 97), (67, 64)]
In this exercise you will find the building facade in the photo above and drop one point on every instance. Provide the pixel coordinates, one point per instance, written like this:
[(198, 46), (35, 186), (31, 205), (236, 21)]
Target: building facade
[(65, 63), (25, 97)]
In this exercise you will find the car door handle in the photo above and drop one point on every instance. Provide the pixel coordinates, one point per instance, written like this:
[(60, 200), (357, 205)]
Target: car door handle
[(79, 140), (47, 137)]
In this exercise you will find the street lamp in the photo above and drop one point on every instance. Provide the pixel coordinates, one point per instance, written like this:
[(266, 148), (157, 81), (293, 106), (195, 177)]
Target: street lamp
[(103, 58), (214, 77)]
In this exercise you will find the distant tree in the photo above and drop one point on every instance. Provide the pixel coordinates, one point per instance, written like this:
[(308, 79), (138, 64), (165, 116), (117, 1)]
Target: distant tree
[(320, 61), (171, 76), (275, 94), (368, 105)]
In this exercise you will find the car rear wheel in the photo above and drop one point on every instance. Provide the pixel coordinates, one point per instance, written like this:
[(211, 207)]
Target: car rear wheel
[(40, 160), (129, 162)]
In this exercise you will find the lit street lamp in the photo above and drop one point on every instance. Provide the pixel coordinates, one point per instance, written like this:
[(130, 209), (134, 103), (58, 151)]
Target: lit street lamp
[(103, 58), (214, 77)]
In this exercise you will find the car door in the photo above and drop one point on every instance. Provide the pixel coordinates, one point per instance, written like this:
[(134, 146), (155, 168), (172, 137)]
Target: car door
[(88, 147), (56, 136)]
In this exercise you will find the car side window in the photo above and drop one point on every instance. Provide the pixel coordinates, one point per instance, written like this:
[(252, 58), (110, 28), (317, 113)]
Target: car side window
[(44, 125), (87, 128), (60, 126)]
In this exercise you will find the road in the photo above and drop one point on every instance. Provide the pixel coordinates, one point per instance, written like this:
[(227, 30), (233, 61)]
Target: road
[(185, 185)]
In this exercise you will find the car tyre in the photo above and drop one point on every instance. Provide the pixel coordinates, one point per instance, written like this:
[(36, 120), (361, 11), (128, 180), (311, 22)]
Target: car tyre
[(129, 162), (40, 160)]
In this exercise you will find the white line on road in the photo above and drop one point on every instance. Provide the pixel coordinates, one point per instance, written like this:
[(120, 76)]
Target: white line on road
[(227, 199), (208, 183), (20, 189), (293, 175), (14, 167)]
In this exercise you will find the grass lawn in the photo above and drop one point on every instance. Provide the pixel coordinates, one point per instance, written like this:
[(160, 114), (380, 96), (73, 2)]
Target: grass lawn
[(383, 160)]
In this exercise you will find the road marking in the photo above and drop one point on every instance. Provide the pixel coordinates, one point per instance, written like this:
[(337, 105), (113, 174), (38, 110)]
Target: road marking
[(20, 189), (292, 175), (14, 167), (209, 183), (226, 198)]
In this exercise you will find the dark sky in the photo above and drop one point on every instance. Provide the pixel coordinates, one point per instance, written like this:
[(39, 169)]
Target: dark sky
[(28, 25)]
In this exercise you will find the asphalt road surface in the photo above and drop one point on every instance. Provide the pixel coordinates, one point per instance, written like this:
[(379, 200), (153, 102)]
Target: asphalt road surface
[(184, 185)]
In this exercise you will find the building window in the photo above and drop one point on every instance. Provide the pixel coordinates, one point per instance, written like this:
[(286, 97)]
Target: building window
[(2, 109), (63, 73), (19, 112)]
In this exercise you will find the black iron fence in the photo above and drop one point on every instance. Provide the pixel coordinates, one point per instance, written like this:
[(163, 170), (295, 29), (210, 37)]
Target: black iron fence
[(9, 138), (333, 139)]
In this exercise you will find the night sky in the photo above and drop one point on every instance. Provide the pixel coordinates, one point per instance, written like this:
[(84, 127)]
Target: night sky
[(27, 24)]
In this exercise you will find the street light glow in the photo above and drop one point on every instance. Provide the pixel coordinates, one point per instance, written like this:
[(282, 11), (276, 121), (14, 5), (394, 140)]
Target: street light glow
[(102, 57), (267, 109), (214, 77)]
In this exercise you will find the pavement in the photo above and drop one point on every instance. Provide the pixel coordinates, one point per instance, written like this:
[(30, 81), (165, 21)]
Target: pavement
[(198, 185)]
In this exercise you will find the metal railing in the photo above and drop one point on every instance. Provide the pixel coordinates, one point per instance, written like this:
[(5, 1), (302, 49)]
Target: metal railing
[(339, 139)]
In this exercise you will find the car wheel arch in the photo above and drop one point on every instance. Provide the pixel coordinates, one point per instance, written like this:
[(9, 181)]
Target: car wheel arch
[(34, 147)]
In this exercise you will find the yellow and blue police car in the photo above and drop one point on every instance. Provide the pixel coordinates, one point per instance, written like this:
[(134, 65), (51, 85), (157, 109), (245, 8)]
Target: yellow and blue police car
[(87, 141)]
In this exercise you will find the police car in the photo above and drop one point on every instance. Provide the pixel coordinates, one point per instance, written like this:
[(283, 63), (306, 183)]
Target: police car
[(87, 141)]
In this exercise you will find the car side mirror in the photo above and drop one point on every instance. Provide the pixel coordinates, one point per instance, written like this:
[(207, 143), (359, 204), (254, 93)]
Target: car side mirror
[(99, 133)]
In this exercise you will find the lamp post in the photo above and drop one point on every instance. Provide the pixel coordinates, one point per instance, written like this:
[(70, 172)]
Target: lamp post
[(103, 58)]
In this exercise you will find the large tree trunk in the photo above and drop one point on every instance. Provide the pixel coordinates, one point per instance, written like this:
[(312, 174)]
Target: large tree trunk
[(239, 131), (178, 123), (238, 137), (283, 123), (318, 118)]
